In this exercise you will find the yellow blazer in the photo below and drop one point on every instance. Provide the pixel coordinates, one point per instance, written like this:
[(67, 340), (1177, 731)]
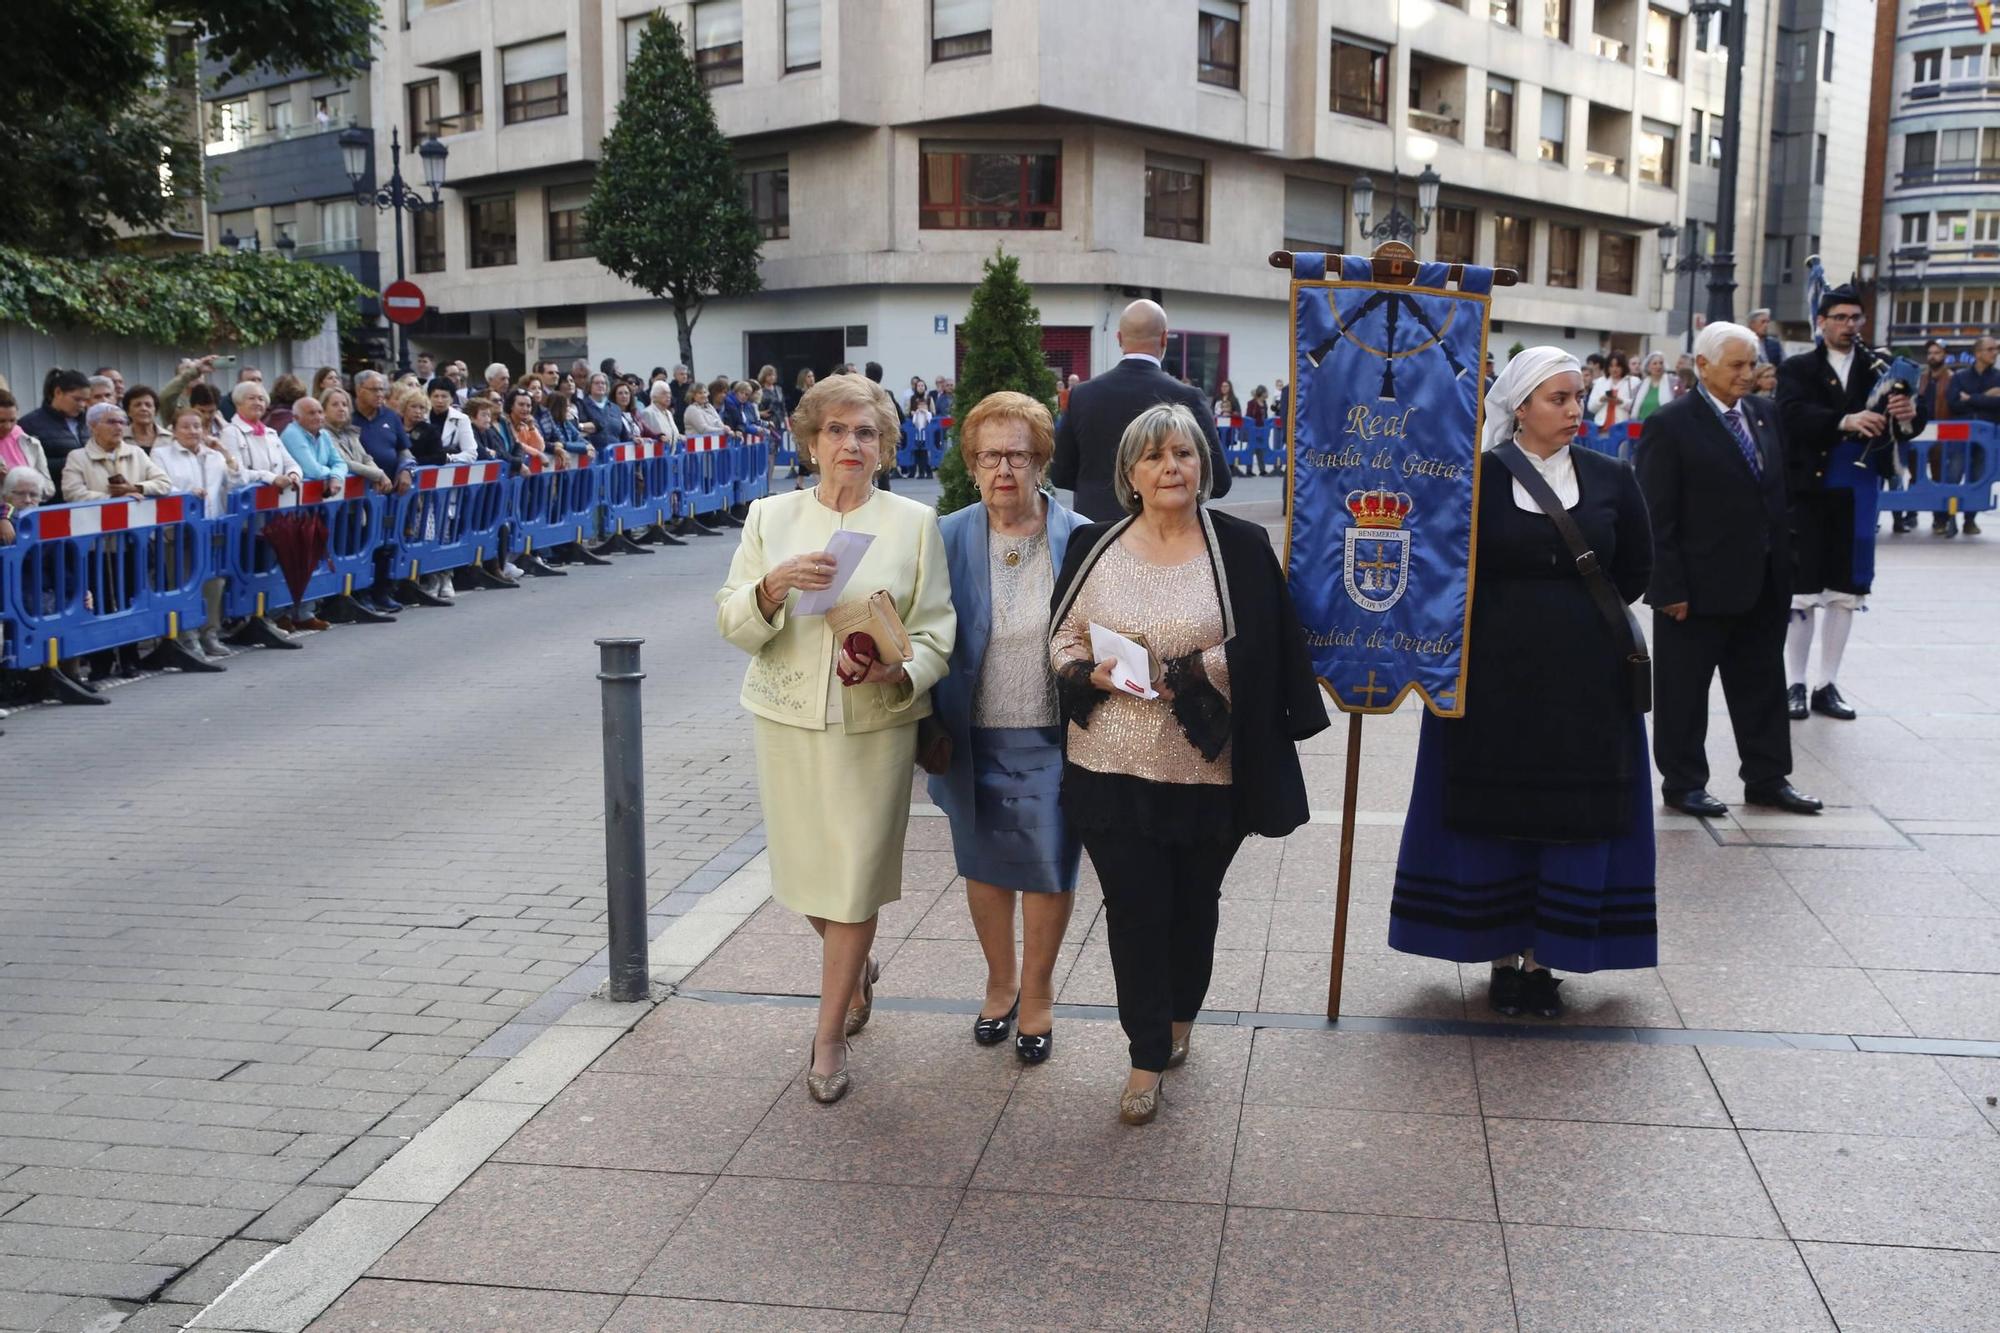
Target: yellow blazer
[(792, 656)]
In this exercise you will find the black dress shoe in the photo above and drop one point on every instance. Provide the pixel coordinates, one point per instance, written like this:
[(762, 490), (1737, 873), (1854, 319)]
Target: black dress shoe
[(1697, 803), (1795, 702), (1785, 797), (1972, 525), (993, 1031), (1503, 993), (1826, 699), (1032, 1049), (1538, 993), (1948, 528)]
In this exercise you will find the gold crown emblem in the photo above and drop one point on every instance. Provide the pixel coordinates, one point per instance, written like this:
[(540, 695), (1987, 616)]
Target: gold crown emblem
[(1378, 508)]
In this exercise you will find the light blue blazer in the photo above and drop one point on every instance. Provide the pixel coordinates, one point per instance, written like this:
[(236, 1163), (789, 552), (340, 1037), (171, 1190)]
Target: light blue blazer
[(968, 552)]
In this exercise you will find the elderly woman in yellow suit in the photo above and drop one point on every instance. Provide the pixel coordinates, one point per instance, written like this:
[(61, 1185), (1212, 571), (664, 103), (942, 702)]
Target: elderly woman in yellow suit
[(834, 759)]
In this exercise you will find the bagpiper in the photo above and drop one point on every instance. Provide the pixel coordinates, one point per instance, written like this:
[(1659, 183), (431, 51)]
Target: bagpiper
[(1841, 422)]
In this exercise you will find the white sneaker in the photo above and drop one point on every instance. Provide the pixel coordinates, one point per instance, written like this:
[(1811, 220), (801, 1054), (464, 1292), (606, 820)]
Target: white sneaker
[(512, 570)]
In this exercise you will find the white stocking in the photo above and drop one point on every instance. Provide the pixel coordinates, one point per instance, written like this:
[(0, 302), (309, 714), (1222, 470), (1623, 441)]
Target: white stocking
[(1798, 645), (1839, 621)]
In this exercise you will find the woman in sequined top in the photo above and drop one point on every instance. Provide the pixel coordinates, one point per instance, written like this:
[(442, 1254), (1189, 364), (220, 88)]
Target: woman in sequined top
[(997, 717), (1164, 780)]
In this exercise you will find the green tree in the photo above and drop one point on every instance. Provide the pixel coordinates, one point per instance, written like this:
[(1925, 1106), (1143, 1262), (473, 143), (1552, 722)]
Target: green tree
[(97, 118), (667, 212), (1002, 333)]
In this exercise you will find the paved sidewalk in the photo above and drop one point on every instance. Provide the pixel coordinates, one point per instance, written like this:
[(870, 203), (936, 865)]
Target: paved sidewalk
[(1791, 1124)]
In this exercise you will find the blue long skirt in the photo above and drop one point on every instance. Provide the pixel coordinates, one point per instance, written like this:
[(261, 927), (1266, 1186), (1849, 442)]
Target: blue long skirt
[(1581, 906), (1015, 836)]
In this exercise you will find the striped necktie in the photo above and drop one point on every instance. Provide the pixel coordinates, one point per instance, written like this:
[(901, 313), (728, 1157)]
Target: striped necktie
[(1734, 416)]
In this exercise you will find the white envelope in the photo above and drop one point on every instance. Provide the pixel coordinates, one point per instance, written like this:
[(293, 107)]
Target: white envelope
[(1134, 670), (846, 548)]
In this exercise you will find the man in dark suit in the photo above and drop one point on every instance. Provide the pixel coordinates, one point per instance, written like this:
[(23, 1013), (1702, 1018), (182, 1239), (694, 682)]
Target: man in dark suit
[(1712, 466), (1823, 405), (1102, 407)]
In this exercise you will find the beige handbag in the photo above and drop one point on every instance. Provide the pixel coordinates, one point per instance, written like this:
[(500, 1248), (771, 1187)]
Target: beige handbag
[(874, 615)]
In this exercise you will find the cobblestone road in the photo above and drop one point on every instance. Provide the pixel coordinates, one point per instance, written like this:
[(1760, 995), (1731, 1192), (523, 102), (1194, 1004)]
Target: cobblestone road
[(252, 925)]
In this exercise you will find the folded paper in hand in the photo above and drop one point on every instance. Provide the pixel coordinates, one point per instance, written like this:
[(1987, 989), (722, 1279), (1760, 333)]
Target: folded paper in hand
[(1134, 666), (846, 547)]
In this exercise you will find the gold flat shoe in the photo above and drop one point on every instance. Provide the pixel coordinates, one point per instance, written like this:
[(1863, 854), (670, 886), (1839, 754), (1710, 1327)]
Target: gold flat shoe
[(858, 1016), (1139, 1108), (1177, 1053), (826, 1088)]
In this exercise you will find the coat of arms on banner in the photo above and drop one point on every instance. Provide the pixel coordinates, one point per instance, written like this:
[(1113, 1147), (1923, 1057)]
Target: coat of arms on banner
[(1378, 549)]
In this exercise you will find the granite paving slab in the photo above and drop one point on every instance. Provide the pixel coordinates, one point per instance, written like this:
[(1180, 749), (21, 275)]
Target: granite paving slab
[(1628, 1177)]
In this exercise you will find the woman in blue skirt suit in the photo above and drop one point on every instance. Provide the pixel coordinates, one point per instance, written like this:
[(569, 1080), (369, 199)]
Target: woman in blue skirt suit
[(997, 706), (1529, 841)]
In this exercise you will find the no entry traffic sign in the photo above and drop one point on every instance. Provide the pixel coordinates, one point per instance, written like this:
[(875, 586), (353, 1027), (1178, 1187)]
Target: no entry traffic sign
[(403, 302)]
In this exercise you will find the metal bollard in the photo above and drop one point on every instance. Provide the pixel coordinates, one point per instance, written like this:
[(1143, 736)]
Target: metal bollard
[(624, 818)]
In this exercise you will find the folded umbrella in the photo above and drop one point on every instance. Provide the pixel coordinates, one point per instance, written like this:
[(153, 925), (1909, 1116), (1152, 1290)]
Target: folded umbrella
[(298, 540)]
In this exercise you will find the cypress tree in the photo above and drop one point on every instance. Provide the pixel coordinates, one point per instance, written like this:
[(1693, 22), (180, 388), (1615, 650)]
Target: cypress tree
[(1003, 350), (667, 212)]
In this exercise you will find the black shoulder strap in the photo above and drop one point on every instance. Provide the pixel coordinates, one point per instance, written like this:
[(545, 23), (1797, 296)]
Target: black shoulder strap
[(1610, 605)]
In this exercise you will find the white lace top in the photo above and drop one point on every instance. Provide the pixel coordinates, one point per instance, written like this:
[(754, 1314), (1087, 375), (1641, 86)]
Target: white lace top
[(1015, 686)]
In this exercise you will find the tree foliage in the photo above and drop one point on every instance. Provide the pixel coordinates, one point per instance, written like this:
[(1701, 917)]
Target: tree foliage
[(188, 302), (1002, 333), (667, 212), (97, 117)]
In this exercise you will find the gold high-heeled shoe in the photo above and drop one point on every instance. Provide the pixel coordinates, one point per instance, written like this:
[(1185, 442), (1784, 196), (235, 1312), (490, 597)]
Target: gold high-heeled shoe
[(858, 1016), (1139, 1108), (1177, 1053), (826, 1088)]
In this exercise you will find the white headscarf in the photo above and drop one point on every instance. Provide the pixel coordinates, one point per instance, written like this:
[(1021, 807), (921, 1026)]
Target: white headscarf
[(1523, 375)]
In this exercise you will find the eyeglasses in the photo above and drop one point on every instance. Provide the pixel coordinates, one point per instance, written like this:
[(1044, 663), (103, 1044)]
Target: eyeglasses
[(863, 435), (1845, 319), (986, 460)]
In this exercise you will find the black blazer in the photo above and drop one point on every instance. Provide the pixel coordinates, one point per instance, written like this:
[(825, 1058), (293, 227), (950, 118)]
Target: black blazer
[(1099, 410), (1275, 700), (1718, 527), (1811, 402)]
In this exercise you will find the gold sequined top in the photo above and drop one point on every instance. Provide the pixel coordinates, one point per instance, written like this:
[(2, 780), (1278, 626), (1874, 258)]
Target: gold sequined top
[(1176, 609)]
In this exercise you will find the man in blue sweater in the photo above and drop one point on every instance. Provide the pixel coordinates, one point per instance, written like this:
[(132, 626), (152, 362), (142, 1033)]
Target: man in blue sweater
[(388, 447)]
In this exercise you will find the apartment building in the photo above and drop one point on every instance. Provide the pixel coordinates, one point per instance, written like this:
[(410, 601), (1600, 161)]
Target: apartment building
[(1938, 268), (275, 180), (1119, 147)]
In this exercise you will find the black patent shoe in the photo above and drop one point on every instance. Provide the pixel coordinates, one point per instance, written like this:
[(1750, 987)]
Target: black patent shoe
[(1504, 992), (1538, 993), (993, 1031), (1784, 796), (1795, 702), (1972, 525), (1826, 699), (1697, 803), (1032, 1049)]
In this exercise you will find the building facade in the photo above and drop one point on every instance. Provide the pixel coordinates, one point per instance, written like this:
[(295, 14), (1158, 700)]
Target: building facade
[(275, 180), (1938, 268), (1119, 147)]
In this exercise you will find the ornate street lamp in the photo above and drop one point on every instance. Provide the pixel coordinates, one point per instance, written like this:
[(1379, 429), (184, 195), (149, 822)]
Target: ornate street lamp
[(1722, 264), (395, 194), (1397, 226)]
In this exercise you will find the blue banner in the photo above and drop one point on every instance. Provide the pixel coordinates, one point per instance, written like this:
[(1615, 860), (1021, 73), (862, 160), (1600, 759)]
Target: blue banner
[(1385, 447)]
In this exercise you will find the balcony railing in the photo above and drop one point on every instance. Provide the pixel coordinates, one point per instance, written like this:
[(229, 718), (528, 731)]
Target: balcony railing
[(1433, 122), (339, 245), (1953, 90), (1941, 14), (1985, 173), (464, 122), (1610, 48), (1603, 164), (282, 134)]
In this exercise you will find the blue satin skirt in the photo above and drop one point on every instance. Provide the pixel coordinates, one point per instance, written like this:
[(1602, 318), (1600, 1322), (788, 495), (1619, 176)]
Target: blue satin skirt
[(1015, 836)]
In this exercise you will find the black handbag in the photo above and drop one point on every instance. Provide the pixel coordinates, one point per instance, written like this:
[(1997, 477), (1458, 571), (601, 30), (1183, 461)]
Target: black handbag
[(1624, 624)]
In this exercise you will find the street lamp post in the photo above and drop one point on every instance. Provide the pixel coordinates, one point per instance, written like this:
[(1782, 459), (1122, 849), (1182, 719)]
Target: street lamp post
[(1397, 225), (1689, 260), (394, 195), (1722, 264)]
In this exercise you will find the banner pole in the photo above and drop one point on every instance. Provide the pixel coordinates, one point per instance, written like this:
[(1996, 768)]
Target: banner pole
[(1347, 798)]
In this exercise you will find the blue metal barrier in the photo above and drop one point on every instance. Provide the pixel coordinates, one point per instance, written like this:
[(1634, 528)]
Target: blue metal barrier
[(752, 469), (1952, 468), (705, 473), (547, 507), (353, 517), (102, 574)]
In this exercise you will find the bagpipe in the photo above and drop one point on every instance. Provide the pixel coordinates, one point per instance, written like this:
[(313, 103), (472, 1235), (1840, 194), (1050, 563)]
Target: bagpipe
[(1893, 375)]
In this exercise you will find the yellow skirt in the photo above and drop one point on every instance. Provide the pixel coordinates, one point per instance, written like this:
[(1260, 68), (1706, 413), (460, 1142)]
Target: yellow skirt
[(836, 808)]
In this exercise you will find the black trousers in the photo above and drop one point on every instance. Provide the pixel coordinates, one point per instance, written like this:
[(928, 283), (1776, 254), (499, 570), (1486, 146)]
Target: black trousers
[(1749, 650), (1161, 904)]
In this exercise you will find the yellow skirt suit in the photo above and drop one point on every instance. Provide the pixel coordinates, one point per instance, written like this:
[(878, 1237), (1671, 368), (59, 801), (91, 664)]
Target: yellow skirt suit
[(834, 763)]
